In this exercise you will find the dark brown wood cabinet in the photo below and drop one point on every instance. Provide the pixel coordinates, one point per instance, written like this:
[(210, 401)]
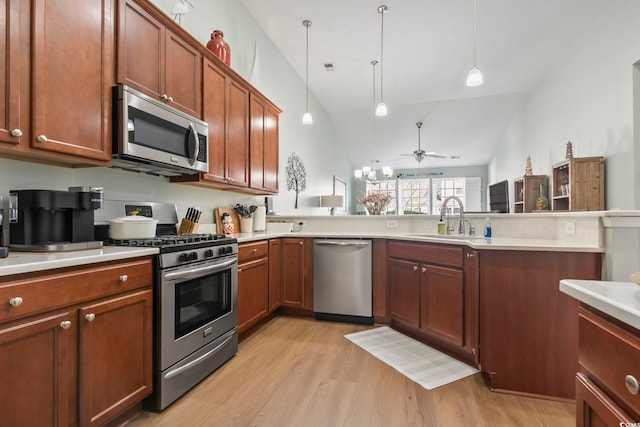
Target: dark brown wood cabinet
[(297, 273), (275, 274), (155, 60), (432, 295), (263, 159), (76, 344), (528, 328), (606, 386), (526, 190), (56, 91), (578, 184), (253, 283)]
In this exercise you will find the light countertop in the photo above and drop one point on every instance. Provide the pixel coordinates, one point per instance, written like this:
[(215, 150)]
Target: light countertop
[(620, 300), (27, 262)]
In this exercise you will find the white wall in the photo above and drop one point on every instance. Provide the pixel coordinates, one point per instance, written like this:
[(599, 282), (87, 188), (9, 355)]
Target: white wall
[(588, 100), (314, 144)]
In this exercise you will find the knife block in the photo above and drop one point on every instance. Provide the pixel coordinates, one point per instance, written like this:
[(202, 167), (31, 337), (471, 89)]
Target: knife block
[(188, 227)]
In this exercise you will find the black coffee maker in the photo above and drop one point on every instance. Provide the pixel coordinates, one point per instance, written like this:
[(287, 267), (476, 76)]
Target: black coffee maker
[(51, 220)]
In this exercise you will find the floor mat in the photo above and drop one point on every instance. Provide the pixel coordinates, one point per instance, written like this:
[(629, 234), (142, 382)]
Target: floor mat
[(419, 362)]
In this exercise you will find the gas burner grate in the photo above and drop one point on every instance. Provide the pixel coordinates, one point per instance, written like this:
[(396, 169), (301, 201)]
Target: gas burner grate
[(169, 240)]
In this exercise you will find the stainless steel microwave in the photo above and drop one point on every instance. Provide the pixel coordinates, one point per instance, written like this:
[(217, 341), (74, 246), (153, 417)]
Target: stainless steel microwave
[(153, 137)]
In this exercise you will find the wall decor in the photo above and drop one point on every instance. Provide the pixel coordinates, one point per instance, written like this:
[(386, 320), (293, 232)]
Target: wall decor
[(296, 175)]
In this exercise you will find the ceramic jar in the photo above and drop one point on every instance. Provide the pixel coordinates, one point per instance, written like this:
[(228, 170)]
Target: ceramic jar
[(219, 47)]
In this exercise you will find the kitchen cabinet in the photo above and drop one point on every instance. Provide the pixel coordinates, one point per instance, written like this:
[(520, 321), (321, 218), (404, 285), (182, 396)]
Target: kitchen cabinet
[(275, 274), (528, 328), (379, 282), (55, 93), (92, 330), (297, 273), (253, 283), (606, 392), (263, 159), (578, 184), (432, 296), (156, 59), (526, 190)]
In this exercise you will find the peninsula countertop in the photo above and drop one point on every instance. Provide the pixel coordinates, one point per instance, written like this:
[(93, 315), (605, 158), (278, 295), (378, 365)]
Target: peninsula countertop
[(620, 300)]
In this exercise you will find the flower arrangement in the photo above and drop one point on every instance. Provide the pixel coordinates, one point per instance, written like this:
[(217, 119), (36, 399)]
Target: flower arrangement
[(244, 211), (375, 203)]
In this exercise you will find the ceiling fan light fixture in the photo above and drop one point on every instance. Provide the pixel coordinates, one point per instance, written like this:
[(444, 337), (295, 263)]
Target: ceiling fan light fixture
[(366, 170), (474, 78)]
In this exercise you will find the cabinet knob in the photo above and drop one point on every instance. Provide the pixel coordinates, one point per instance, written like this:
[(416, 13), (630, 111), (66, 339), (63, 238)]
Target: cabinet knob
[(16, 132), (170, 99), (90, 317), (424, 269), (42, 138), (415, 268), (254, 250), (632, 384), (164, 97), (124, 278), (15, 301), (301, 243), (66, 324)]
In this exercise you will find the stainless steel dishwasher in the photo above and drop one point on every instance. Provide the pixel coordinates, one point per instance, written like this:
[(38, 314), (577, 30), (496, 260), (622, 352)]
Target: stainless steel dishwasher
[(342, 285)]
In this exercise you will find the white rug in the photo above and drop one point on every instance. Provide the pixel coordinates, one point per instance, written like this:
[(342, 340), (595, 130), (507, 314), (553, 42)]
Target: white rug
[(421, 363)]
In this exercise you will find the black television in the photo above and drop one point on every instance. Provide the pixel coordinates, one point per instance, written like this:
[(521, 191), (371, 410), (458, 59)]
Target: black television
[(499, 197)]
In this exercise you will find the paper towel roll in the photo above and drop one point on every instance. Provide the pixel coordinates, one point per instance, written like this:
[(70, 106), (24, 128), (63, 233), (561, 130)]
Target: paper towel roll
[(259, 219)]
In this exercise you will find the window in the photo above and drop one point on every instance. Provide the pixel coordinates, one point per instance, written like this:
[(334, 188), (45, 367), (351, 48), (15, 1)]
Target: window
[(426, 195)]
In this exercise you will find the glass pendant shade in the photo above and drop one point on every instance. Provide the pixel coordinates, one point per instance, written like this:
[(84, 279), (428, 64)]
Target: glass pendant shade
[(372, 175), (381, 109), (387, 171), (358, 173), (307, 119), (366, 170), (474, 78)]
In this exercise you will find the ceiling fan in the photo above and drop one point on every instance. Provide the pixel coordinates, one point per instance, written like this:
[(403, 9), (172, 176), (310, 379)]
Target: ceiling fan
[(420, 154)]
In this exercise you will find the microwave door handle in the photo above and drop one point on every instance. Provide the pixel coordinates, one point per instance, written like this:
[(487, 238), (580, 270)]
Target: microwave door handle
[(196, 141)]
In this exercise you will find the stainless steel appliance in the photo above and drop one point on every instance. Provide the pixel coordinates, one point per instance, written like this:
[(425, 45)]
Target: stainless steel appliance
[(153, 137), (51, 220), (342, 280), (195, 300)]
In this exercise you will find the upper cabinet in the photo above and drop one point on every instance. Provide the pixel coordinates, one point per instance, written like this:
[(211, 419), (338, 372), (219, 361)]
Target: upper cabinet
[(264, 145), (55, 95), (578, 184), (156, 61)]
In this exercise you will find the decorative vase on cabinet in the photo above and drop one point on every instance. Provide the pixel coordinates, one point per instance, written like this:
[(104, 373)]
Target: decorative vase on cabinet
[(219, 47)]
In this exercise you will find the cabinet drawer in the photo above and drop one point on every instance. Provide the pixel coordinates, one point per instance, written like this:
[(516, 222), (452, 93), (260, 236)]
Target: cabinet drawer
[(609, 354), (251, 251), (428, 253), (43, 293)]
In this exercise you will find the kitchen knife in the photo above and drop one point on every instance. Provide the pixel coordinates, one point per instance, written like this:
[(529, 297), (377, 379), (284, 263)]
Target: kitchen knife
[(189, 214), (198, 213)]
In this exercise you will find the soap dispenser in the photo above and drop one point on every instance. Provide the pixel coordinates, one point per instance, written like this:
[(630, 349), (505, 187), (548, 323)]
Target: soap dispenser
[(441, 226)]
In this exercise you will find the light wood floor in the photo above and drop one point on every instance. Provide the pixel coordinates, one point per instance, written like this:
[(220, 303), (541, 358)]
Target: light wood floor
[(303, 372)]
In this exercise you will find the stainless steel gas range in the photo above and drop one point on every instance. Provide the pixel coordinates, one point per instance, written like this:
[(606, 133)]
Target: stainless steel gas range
[(195, 299)]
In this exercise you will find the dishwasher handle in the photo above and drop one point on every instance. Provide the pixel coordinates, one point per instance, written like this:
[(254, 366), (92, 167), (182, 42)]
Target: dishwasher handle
[(341, 243)]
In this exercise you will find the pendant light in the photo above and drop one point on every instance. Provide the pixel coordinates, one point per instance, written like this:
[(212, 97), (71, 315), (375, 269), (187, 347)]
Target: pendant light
[(306, 117), (381, 109), (474, 78)]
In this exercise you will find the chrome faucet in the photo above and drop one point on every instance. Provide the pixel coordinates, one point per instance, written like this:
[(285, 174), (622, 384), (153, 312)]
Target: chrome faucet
[(444, 211)]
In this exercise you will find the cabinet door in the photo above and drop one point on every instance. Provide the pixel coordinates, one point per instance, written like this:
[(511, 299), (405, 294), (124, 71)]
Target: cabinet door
[(295, 292), (271, 150), (115, 359), (404, 283), (472, 304), (36, 373), (275, 274), (237, 134), (595, 409), (183, 74), (14, 125), (442, 303), (257, 143), (213, 108), (253, 293), (72, 62), (141, 47)]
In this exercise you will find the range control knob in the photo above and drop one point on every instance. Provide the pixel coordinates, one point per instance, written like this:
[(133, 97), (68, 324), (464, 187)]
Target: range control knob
[(193, 256), (208, 253), (183, 257), (222, 251)]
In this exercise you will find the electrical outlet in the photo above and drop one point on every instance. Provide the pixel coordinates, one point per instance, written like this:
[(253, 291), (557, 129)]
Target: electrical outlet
[(392, 223), (570, 228)]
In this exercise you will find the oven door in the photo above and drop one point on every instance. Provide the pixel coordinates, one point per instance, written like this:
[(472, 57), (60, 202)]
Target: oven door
[(197, 304)]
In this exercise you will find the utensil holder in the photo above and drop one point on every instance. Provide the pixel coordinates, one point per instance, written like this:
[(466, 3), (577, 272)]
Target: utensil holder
[(188, 227)]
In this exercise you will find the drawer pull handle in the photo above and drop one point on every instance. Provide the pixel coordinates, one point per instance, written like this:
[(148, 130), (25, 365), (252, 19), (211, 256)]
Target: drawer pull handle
[(415, 268), (254, 250), (90, 317), (124, 278), (15, 301), (632, 384), (66, 324), (424, 270)]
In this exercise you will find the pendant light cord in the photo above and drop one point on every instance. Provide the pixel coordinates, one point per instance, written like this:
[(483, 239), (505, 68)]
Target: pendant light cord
[(381, 9), (475, 29), (307, 24)]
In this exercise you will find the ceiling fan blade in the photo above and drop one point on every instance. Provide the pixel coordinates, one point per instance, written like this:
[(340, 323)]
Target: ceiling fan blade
[(436, 155)]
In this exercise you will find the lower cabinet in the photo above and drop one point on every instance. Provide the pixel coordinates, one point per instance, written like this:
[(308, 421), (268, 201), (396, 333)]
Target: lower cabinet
[(76, 345), (275, 274), (297, 273), (595, 409), (432, 295), (253, 283)]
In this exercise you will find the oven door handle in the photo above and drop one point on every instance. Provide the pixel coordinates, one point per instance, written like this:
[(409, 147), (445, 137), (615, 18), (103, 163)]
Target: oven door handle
[(200, 270), (195, 362)]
